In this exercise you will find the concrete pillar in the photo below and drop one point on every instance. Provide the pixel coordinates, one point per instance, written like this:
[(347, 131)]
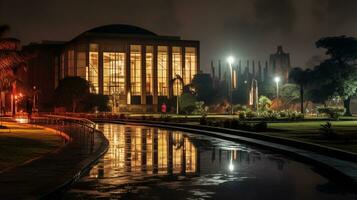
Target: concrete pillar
[(127, 73), (169, 76), (155, 84), (100, 70), (143, 77)]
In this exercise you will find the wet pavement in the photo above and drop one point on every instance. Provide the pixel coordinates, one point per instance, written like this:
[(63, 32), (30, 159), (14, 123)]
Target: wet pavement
[(151, 163)]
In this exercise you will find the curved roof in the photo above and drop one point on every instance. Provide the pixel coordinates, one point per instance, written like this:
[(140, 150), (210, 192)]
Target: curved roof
[(121, 29)]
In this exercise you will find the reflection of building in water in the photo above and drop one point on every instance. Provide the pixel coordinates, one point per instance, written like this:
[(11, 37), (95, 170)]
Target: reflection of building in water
[(151, 151)]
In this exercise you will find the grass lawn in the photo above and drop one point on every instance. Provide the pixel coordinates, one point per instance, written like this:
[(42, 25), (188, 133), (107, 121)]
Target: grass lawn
[(21, 143), (310, 132)]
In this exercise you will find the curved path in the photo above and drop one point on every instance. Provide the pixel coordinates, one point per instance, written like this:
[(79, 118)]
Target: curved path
[(49, 175)]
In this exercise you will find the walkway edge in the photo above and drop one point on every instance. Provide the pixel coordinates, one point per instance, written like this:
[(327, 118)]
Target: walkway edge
[(89, 162)]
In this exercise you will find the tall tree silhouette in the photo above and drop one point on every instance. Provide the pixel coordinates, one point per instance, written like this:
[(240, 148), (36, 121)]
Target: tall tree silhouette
[(11, 60), (339, 70), (300, 77)]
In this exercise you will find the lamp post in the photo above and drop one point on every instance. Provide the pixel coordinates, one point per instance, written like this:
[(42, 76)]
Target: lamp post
[(277, 80), (230, 61)]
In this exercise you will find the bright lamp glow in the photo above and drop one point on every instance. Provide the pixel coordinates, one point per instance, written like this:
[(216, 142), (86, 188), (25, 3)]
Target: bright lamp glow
[(277, 79), (231, 167), (230, 59)]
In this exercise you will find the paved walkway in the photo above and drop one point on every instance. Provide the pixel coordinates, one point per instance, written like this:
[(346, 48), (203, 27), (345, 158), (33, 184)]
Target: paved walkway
[(41, 177)]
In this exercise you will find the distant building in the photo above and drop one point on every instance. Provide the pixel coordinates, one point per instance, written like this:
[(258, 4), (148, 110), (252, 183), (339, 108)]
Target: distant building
[(279, 64), (136, 68)]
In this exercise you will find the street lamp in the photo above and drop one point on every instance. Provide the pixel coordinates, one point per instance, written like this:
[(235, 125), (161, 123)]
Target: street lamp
[(277, 80), (230, 61)]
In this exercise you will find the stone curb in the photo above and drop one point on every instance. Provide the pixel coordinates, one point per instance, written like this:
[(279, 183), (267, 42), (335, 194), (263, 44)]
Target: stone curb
[(267, 142)]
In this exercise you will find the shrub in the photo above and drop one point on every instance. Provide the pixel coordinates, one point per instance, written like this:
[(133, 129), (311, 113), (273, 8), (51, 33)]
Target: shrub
[(242, 115), (332, 112), (203, 120), (261, 126), (328, 131), (250, 114)]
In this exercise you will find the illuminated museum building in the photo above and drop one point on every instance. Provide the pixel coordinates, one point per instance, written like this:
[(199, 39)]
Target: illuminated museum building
[(136, 68)]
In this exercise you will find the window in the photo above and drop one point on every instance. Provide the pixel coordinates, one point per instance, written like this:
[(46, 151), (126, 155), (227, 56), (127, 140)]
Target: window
[(177, 70), (162, 71), (135, 70), (70, 62), (149, 70), (113, 73), (81, 64), (190, 64), (93, 67)]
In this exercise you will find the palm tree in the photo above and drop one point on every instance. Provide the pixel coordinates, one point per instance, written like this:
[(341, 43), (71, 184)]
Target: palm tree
[(300, 77), (11, 60)]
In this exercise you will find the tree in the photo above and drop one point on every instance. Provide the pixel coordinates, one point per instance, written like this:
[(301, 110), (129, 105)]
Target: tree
[(12, 59), (300, 77), (187, 103), (339, 70), (203, 85), (71, 91), (264, 103), (289, 93)]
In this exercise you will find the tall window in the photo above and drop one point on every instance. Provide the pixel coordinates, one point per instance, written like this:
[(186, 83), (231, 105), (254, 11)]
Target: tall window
[(190, 64), (162, 70), (135, 70), (113, 73), (81, 64), (93, 67), (149, 70), (70, 61), (177, 69)]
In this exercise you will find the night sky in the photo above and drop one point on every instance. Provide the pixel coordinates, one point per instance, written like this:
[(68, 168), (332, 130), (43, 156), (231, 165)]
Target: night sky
[(247, 29)]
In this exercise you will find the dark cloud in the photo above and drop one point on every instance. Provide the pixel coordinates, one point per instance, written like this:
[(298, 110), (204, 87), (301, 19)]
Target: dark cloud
[(246, 28)]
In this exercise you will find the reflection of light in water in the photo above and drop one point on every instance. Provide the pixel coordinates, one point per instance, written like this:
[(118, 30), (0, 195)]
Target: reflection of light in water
[(141, 150), (231, 166), (22, 120)]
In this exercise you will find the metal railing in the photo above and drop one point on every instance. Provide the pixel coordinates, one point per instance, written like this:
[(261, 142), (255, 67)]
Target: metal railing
[(80, 130)]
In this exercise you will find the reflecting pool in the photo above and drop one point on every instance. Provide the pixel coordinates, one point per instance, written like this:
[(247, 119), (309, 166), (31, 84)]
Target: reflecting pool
[(151, 163)]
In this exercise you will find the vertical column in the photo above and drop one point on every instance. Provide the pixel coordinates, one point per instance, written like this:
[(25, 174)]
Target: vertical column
[(170, 153), (198, 59), (183, 62), (183, 157), (155, 157), (155, 85), (143, 76), (127, 74), (143, 149), (75, 61), (169, 77), (100, 70)]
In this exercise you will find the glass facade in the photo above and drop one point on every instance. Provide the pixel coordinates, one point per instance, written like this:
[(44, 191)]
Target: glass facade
[(81, 64), (113, 73), (93, 71), (149, 70), (70, 60), (190, 64), (162, 70), (177, 70), (135, 70)]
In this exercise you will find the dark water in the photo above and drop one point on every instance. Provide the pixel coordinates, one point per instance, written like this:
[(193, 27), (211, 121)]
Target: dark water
[(150, 163)]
